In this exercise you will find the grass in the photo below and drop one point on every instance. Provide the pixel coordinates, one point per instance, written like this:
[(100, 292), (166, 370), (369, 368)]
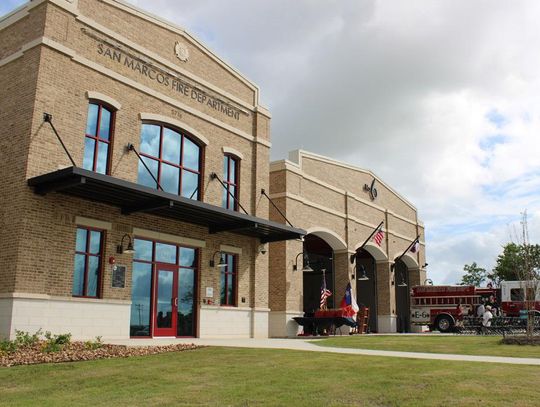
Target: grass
[(463, 345), (267, 377)]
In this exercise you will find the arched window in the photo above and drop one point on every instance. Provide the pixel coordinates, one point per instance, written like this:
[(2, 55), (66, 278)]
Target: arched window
[(173, 158), (98, 138), (230, 179)]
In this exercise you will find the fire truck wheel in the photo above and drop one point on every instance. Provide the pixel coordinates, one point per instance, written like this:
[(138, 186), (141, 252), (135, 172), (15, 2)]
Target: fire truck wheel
[(444, 323)]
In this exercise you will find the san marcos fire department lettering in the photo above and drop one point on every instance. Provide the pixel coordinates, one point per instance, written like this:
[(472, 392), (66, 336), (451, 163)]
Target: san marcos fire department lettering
[(167, 80)]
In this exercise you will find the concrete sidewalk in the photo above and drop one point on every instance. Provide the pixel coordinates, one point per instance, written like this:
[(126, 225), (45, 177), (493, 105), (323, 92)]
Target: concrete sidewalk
[(306, 345)]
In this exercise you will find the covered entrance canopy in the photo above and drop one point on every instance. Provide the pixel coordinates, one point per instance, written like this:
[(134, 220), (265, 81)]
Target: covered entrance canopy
[(131, 198)]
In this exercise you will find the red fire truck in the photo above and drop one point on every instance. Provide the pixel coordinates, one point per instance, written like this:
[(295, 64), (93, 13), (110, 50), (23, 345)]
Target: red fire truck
[(442, 307)]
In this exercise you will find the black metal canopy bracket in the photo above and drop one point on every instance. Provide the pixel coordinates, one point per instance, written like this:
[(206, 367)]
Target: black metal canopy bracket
[(47, 118), (131, 147), (215, 176), (263, 192)]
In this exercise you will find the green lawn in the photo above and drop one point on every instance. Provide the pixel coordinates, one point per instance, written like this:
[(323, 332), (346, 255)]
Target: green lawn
[(464, 345), (265, 377)]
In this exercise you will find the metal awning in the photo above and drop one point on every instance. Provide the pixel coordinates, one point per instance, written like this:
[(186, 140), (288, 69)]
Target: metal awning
[(131, 198)]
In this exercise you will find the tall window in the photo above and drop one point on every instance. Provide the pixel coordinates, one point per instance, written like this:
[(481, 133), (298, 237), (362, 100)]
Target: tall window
[(230, 179), (97, 142), (228, 279), (173, 159), (88, 256)]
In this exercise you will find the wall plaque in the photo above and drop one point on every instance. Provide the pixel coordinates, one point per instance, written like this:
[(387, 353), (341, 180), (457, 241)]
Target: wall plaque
[(119, 276)]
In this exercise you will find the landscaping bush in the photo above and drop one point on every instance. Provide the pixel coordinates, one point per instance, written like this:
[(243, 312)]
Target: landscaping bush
[(55, 343), (93, 345), (25, 339)]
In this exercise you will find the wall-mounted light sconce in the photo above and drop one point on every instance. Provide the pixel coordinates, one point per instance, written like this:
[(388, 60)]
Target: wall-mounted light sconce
[(221, 263), (305, 263), (363, 275), (428, 281), (120, 247), (263, 248), (402, 283), (425, 265)]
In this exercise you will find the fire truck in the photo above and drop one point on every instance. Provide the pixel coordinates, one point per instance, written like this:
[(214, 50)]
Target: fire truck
[(443, 307)]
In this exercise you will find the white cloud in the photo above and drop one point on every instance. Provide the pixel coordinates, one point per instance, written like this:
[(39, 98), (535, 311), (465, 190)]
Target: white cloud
[(403, 89)]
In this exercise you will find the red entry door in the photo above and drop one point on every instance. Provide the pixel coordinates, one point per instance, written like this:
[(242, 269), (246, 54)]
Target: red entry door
[(165, 300)]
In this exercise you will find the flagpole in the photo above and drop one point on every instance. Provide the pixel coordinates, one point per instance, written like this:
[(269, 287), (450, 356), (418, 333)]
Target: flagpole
[(367, 240), (408, 248)]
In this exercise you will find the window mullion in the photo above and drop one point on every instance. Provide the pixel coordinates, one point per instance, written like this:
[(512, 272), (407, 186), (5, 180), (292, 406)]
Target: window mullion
[(86, 259), (98, 124)]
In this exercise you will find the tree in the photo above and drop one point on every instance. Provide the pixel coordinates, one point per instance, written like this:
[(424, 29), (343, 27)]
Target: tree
[(521, 262), (474, 275), (512, 261)]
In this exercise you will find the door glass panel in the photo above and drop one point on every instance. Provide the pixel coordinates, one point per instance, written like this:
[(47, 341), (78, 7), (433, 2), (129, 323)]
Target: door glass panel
[(186, 282), (141, 285), (187, 257), (164, 306), (165, 253), (143, 250)]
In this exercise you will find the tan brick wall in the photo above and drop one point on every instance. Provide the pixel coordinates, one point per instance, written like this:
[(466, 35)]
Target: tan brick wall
[(354, 181), (321, 195), (23, 31), (386, 297), (18, 80), (162, 41), (38, 234)]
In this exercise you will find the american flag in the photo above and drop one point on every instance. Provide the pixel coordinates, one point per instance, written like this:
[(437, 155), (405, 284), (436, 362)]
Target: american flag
[(325, 293), (379, 236)]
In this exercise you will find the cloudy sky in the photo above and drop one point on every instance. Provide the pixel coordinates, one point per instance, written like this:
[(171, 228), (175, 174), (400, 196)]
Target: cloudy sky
[(441, 99)]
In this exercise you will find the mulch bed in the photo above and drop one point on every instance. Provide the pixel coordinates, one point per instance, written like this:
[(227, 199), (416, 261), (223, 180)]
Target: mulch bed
[(521, 340), (79, 351)]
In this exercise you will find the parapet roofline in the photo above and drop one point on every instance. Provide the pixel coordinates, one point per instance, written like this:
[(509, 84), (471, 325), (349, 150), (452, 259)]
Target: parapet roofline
[(295, 160), (71, 6)]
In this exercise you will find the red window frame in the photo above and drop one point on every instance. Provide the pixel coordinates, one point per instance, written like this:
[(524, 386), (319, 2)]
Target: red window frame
[(96, 137), (154, 262), (180, 166), (231, 203), (230, 302), (87, 254)]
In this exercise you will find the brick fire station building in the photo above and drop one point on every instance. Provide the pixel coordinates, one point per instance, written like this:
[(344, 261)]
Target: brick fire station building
[(133, 162)]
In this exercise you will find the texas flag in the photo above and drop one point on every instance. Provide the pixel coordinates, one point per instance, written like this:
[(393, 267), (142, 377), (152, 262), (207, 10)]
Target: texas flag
[(349, 302)]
